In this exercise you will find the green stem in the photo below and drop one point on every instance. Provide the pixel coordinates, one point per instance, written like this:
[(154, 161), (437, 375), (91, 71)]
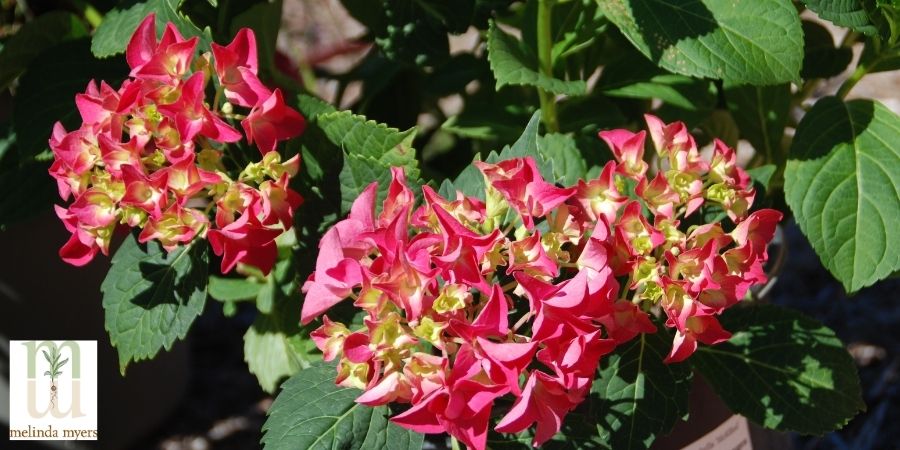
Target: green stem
[(545, 59), (862, 68), (806, 90), (93, 16), (849, 39), (307, 76), (218, 97), (454, 444), (861, 71)]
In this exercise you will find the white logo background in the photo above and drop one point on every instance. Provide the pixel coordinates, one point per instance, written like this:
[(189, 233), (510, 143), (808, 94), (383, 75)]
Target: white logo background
[(82, 417)]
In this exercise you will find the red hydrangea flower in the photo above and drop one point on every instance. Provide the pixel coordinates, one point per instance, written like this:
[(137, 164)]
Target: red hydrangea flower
[(236, 67), (150, 154), (271, 121), (462, 308)]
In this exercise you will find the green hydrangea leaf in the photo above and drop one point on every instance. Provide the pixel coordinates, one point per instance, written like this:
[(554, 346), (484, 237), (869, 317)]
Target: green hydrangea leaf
[(233, 289), (43, 32), (370, 150), (273, 354), (762, 175), (45, 96), (633, 76), (556, 155), (642, 396), (783, 370), (860, 15), (312, 413), (359, 171), (756, 42), (412, 31), (276, 346), (635, 398), (761, 113), (470, 181), (151, 297), (526, 144), (114, 33), (842, 184), (560, 150), (515, 64), (821, 58)]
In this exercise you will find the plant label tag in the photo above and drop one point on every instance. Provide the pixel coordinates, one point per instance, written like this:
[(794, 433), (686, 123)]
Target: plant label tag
[(53, 390), (733, 434)]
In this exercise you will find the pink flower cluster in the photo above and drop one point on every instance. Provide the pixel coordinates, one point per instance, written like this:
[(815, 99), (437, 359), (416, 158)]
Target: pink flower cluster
[(460, 306), (150, 154)]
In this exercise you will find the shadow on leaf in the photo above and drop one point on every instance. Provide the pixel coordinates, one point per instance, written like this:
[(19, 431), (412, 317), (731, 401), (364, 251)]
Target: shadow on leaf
[(783, 370)]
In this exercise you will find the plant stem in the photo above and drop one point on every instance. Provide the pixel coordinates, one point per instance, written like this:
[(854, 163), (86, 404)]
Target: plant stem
[(218, 97), (849, 83), (862, 68), (545, 60), (454, 444), (91, 14), (806, 90), (522, 321), (307, 75), (849, 39)]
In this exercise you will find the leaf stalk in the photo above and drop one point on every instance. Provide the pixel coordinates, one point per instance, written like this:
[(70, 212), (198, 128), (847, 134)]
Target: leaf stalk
[(849, 83), (545, 61)]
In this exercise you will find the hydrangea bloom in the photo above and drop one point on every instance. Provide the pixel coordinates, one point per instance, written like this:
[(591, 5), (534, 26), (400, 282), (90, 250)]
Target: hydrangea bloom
[(150, 153), (460, 311)]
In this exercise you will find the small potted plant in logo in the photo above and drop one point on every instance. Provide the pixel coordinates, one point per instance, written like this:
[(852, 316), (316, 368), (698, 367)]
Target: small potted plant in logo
[(54, 372)]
